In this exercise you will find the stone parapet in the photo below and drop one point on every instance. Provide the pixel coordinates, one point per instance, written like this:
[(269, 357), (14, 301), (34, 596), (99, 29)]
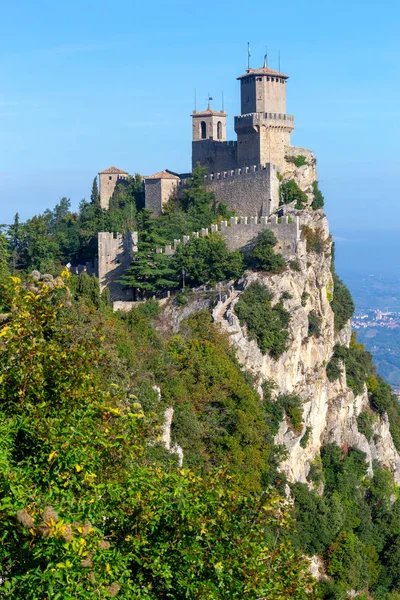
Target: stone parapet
[(253, 121), (241, 233)]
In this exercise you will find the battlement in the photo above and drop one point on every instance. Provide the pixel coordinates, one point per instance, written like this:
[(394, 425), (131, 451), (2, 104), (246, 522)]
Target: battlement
[(242, 232), (252, 121), (266, 115)]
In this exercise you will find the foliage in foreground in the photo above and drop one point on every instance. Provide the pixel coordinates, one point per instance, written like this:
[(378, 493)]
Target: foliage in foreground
[(84, 514)]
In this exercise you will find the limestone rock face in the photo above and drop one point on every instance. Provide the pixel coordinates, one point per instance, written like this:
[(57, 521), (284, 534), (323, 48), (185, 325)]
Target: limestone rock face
[(305, 175), (329, 408)]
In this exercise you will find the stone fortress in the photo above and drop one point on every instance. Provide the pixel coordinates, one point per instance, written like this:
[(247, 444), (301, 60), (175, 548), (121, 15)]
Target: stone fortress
[(244, 174)]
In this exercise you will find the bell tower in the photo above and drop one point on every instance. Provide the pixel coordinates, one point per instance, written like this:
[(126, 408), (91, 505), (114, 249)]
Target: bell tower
[(209, 124), (263, 128)]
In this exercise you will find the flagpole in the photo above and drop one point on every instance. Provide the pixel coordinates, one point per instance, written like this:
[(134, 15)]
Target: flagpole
[(248, 55)]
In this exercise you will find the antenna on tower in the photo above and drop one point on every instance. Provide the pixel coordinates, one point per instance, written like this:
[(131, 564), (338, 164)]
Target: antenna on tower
[(266, 57), (209, 98), (248, 55)]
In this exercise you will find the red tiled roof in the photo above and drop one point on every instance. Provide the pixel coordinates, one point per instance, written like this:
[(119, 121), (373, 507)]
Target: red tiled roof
[(113, 170), (162, 175), (263, 71)]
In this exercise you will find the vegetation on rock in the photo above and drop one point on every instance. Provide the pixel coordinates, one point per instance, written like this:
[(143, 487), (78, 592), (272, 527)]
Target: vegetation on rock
[(266, 323)]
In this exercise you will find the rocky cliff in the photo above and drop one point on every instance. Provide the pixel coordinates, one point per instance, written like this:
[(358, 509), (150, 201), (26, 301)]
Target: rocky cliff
[(330, 409)]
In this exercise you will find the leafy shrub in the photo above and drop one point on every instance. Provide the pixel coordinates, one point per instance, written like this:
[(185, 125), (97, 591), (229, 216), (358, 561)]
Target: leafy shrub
[(263, 257), (382, 399), (347, 561), (295, 265), (290, 192), (181, 299), (298, 161), (286, 295), (342, 303), (314, 324), (207, 259), (293, 408), (314, 239), (267, 324), (334, 369), (358, 365), (364, 424), (318, 200), (304, 298), (306, 437)]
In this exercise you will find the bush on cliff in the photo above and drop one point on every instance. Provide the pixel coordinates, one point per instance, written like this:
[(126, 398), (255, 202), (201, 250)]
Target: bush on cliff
[(318, 199), (290, 192), (342, 303), (208, 260), (263, 257), (266, 323)]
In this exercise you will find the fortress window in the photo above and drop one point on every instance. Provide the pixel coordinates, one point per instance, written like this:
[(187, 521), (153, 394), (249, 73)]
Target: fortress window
[(110, 177), (203, 130), (219, 130)]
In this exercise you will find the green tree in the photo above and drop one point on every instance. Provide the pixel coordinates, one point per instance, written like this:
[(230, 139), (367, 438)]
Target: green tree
[(263, 256), (83, 515), (342, 303), (266, 323), (150, 271), (347, 561), (94, 194), (207, 259)]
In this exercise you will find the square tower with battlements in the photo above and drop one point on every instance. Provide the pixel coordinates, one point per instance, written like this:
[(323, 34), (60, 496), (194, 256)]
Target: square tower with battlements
[(263, 128)]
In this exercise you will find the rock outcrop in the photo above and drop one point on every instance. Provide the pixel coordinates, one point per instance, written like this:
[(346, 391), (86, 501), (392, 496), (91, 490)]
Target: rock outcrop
[(330, 409)]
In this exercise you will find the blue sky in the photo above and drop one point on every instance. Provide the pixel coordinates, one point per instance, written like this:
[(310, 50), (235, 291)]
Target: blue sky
[(89, 84)]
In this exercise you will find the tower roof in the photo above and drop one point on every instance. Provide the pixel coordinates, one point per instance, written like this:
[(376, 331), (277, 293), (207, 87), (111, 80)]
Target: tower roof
[(209, 112), (263, 71), (163, 175), (113, 170)]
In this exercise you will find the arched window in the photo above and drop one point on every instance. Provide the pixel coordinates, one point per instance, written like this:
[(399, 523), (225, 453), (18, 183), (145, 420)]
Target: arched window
[(219, 130), (203, 130)]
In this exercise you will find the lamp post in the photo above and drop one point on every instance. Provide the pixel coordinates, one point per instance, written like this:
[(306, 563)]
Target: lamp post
[(183, 280)]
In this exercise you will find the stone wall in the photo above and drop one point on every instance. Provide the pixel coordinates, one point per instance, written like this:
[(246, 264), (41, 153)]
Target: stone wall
[(158, 192), (241, 234), (108, 181), (249, 191), (263, 137), (115, 255), (216, 156), (262, 94)]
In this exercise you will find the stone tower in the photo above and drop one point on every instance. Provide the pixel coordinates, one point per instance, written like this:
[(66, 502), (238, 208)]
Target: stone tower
[(209, 145), (209, 125), (263, 128), (108, 180)]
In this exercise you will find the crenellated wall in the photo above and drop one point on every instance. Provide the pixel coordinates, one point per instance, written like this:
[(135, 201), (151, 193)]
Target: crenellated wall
[(252, 190), (115, 256), (241, 233)]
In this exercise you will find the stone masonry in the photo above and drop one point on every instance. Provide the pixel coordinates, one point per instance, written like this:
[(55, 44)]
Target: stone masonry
[(108, 180), (115, 256)]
